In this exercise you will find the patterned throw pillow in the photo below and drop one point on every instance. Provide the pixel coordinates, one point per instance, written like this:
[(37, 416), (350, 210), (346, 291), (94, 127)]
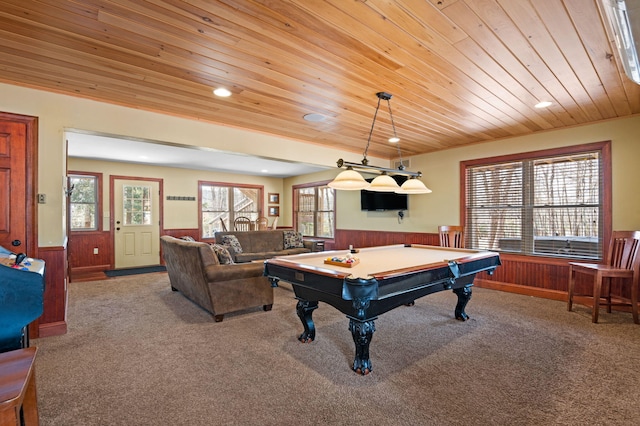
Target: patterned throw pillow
[(232, 242), (292, 239), (224, 257)]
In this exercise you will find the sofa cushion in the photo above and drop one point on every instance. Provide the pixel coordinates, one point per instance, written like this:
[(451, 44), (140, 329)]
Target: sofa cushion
[(232, 242), (265, 241), (223, 254), (259, 245), (261, 255), (292, 239)]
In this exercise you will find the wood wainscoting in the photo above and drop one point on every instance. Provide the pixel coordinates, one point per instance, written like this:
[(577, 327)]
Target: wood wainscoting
[(87, 265), (53, 320), (529, 275), (187, 232), (84, 263)]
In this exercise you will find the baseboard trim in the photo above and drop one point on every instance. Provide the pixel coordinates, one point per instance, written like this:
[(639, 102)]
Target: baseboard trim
[(522, 289), (52, 329)]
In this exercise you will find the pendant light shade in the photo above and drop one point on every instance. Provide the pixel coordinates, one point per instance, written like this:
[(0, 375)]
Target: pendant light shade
[(384, 183), (349, 180), (413, 186)]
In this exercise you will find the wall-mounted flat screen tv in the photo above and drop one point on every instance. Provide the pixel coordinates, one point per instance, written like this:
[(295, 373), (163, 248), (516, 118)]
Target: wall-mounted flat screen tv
[(380, 201)]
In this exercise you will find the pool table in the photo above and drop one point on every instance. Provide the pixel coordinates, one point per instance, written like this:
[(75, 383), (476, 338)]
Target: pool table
[(382, 279)]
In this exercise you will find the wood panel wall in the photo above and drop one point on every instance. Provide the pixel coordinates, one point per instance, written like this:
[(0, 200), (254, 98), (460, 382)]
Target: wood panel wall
[(357, 238), (82, 260), (536, 276), (188, 232), (81, 251), (53, 321)]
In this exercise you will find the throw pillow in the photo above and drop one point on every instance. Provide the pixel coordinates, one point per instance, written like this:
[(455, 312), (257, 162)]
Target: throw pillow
[(224, 257), (187, 238), (232, 242), (292, 239)]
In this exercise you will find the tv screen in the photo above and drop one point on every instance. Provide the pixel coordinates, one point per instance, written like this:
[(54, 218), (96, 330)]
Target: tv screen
[(379, 201)]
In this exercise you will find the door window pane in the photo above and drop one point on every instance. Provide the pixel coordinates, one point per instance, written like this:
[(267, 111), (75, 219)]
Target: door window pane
[(136, 202)]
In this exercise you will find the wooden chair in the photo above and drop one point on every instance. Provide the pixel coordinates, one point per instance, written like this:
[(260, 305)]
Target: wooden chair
[(262, 223), (451, 236), (242, 223), (623, 263), (274, 225)]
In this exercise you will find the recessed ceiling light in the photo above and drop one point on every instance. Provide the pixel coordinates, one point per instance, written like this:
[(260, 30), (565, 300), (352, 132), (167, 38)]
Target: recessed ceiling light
[(394, 139), (314, 117), (543, 104), (222, 92)]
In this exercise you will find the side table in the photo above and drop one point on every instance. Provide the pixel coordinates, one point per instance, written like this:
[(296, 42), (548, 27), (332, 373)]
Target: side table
[(318, 245), (18, 400)]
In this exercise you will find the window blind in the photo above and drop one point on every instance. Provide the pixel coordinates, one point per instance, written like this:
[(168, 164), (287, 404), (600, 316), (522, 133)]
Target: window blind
[(547, 205)]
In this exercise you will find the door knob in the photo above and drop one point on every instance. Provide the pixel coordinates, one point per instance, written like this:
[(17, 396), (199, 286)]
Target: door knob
[(16, 243)]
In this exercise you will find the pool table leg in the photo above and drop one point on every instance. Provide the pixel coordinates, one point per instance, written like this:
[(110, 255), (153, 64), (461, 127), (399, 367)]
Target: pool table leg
[(304, 309), (362, 332), (464, 295)]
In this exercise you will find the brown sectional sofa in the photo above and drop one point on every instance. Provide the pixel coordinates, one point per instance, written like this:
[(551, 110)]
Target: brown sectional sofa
[(196, 272), (259, 245)]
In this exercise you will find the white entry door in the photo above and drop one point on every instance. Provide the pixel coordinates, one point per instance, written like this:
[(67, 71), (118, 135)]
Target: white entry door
[(136, 207)]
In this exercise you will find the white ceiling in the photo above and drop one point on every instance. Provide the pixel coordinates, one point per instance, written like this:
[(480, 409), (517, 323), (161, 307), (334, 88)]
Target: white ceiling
[(128, 150)]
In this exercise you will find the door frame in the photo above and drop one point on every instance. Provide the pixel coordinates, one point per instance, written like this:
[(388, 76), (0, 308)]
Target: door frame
[(31, 177), (112, 232)]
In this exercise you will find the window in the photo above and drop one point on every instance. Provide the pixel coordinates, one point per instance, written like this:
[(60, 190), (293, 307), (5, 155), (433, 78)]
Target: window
[(84, 206), (546, 203), (314, 210), (222, 203)]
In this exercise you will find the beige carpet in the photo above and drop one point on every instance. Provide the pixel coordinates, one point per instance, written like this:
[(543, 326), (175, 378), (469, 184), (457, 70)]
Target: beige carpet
[(139, 354)]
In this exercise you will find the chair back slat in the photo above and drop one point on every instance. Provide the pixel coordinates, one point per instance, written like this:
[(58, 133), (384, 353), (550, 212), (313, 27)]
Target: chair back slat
[(451, 236), (262, 223), (242, 224), (624, 250)]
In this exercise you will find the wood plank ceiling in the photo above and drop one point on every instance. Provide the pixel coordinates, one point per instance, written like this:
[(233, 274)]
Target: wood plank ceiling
[(460, 71)]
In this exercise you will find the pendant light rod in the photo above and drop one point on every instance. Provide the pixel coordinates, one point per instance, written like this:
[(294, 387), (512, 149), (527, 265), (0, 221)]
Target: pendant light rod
[(341, 163), (381, 96)]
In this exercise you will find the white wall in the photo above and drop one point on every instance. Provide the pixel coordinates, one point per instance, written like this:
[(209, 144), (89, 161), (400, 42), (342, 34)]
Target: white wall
[(56, 113), (441, 169), (176, 181), (441, 173)]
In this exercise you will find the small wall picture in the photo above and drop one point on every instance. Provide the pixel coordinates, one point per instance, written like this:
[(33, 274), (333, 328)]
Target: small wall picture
[(274, 198), (274, 211)]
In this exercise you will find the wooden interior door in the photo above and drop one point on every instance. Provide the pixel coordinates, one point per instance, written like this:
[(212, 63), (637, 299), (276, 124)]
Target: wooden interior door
[(17, 180)]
